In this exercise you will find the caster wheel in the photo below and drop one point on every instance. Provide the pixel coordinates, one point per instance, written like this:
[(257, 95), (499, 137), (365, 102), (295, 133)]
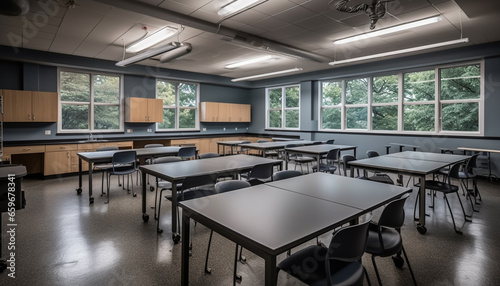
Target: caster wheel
[(79, 191), (208, 270), (238, 278), (91, 200), (421, 229), (134, 195), (159, 230), (398, 261), (176, 238), (145, 217), (151, 188)]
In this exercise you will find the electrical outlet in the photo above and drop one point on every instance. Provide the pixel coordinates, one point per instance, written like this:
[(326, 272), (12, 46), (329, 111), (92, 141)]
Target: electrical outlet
[(224, 129), (130, 130), (204, 129), (47, 132), (235, 128), (150, 130)]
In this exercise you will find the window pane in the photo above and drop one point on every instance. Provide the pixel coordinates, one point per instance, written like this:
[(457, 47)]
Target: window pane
[(75, 116), (356, 91), (292, 96), (275, 119), (331, 118), (385, 117), (460, 117), (332, 93), (419, 117), (385, 89), (419, 86), (461, 82), (292, 119), (166, 92), (168, 119), (275, 98), (106, 117), (75, 87), (187, 94), (187, 118), (106, 89), (357, 118)]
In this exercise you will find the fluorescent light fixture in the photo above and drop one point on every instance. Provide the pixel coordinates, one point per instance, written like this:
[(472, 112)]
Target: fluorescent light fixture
[(265, 74), (183, 49), (235, 6), (149, 54), (250, 61), (409, 50), (389, 30), (152, 40)]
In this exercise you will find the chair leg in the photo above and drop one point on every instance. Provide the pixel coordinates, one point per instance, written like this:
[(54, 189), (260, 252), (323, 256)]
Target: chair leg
[(207, 269), (466, 217), (108, 181), (242, 258), (367, 277), (376, 270), (236, 277), (409, 266), (451, 213)]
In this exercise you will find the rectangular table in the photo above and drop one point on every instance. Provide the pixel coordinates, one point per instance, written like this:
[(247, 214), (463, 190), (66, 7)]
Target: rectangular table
[(317, 150), (271, 218), (267, 146), (178, 171), (406, 163), (106, 157)]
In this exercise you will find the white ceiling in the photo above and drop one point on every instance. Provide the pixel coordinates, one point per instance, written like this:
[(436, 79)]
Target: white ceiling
[(101, 28)]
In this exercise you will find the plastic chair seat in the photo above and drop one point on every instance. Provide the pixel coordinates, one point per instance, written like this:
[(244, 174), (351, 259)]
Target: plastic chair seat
[(440, 186), (325, 168), (391, 240)]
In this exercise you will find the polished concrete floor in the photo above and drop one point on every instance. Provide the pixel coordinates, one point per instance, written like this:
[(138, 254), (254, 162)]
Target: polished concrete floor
[(62, 240)]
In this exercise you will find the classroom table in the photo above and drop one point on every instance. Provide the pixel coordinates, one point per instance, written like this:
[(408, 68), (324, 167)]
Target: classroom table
[(318, 151), (93, 157), (411, 164), (488, 151), (177, 171), (403, 145), (288, 215), (230, 144), (278, 145)]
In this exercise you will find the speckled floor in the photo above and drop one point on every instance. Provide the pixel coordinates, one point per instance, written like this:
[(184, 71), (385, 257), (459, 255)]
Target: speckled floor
[(62, 240)]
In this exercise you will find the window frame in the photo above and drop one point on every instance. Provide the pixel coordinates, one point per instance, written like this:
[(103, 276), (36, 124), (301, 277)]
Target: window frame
[(178, 108), (437, 102), (283, 108), (91, 102)]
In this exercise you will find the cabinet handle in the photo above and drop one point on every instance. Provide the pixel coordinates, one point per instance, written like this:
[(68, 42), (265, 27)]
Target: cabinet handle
[(26, 149), (62, 147), (68, 155), (29, 116), (33, 116)]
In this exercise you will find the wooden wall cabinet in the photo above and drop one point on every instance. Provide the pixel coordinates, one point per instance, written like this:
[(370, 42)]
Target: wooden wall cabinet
[(225, 112), (29, 106), (143, 110)]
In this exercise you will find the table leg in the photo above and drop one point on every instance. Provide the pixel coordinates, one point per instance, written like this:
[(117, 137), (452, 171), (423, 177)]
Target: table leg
[(185, 250), (79, 190), (175, 228), (421, 223), (91, 166), (318, 161), (145, 216), (270, 271), (286, 160)]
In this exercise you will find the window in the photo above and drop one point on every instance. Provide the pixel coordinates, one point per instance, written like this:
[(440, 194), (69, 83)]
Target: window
[(283, 105), (89, 102), (439, 100), (180, 101)]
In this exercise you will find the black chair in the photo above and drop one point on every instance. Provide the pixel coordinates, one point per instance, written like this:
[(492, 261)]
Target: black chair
[(208, 155), (123, 163), (378, 176), (186, 153), (332, 158), (151, 161), (260, 174), (469, 174), (162, 186), (285, 174), (105, 166), (243, 150), (384, 236), (330, 141), (222, 187), (339, 264), (269, 153), (299, 160), (445, 188), (346, 159)]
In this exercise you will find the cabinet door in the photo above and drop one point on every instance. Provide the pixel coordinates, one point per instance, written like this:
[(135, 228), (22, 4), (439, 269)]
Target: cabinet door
[(136, 109), (155, 110), (16, 106), (224, 112), (209, 111), (246, 113), (57, 163), (44, 106)]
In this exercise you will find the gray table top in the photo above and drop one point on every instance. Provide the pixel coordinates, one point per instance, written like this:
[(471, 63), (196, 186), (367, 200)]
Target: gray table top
[(275, 145), (401, 165), (319, 149), (428, 156), (141, 153)]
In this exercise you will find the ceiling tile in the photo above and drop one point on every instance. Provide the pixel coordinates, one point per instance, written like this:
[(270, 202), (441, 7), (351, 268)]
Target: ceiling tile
[(295, 14)]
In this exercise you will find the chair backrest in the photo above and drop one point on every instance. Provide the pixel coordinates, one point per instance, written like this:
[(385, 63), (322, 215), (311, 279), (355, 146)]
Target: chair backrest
[(285, 174), (332, 155), (262, 141), (317, 143), (107, 148), (128, 157), (472, 163), (245, 142), (170, 159), (372, 153), (393, 215), (261, 171), (349, 243), (330, 141), (153, 145), (454, 172), (345, 162), (187, 152), (198, 181), (208, 155), (230, 185)]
